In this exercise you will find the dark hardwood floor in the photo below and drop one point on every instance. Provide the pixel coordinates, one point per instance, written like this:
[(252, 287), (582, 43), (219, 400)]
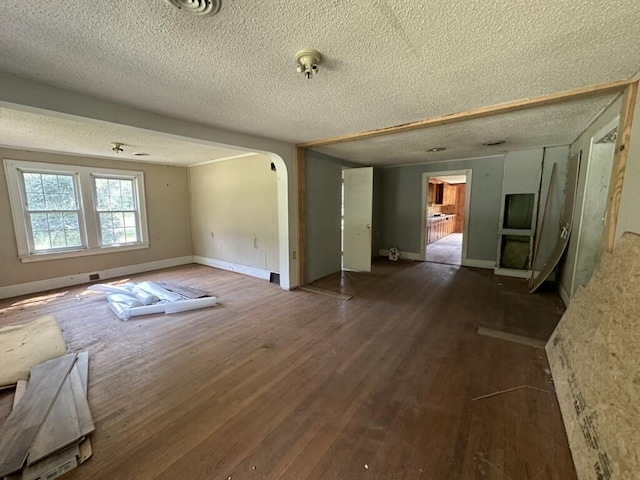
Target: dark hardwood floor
[(295, 385)]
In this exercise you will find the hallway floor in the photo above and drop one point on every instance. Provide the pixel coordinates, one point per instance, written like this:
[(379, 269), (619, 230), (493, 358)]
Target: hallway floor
[(447, 250)]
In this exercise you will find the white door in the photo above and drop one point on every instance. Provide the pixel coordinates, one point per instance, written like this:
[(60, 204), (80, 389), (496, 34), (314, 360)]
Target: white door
[(358, 209)]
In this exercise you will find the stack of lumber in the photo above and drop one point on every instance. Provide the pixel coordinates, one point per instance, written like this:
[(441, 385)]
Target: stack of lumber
[(46, 434)]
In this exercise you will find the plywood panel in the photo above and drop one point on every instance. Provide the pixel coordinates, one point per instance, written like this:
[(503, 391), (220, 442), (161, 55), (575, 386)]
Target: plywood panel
[(595, 366)]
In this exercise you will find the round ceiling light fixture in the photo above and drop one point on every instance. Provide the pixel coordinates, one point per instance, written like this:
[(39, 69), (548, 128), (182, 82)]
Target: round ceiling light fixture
[(201, 8), (117, 147), (308, 61), (494, 143), (436, 149)]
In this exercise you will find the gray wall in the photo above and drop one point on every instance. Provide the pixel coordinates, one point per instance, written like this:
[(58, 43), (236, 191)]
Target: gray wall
[(402, 205), (324, 197)]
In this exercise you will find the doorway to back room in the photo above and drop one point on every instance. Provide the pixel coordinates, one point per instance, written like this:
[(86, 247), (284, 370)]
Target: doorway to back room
[(444, 232)]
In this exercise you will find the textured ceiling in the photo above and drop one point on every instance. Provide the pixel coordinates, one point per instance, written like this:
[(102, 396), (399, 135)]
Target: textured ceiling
[(386, 62), (34, 131), (552, 125)]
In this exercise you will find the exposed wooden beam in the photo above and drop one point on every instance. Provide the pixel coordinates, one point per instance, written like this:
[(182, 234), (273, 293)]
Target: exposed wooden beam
[(619, 165), (302, 214), (501, 108)]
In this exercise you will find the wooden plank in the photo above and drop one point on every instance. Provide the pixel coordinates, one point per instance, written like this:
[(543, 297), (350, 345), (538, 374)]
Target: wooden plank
[(487, 111), (52, 467), (23, 424), (68, 422), (324, 291), (619, 166), (83, 369), (510, 337), (85, 420), (183, 290), (21, 388), (60, 429), (301, 170), (85, 448)]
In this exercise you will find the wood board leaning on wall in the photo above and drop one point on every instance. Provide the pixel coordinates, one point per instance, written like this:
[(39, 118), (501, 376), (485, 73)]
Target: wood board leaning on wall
[(596, 367)]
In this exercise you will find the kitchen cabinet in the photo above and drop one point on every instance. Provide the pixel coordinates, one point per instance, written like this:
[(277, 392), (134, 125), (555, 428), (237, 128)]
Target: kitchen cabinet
[(439, 227), (449, 194)]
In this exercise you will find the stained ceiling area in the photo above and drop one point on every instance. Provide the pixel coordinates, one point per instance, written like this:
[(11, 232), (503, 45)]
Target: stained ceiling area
[(385, 62)]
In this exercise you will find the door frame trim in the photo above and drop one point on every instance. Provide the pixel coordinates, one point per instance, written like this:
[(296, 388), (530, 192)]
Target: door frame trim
[(467, 206)]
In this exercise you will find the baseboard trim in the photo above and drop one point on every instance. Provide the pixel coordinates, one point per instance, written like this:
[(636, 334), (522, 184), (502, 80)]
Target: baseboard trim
[(508, 272), (80, 278), (472, 262), (564, 295), (403, 255), (233, 267)]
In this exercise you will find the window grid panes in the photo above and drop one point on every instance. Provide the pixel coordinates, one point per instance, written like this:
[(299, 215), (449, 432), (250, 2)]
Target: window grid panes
[(117, 210), (52, 211)]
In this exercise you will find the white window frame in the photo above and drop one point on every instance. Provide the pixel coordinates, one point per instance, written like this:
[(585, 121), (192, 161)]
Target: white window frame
[(86, 195)]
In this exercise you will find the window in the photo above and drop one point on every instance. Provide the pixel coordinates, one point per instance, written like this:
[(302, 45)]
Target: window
[(52, 211), (117, 210), (62, 210)]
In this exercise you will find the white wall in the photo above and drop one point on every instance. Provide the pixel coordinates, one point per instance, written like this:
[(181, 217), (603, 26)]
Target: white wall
[(234, 212)]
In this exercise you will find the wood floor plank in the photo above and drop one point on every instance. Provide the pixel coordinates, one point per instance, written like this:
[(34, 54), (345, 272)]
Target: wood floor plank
[(23, 424), (302, 386), (61, 428), (185, 291), (510, 337)]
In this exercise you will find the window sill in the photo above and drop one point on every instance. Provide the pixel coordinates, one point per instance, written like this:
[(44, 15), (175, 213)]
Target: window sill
[(39, 257)]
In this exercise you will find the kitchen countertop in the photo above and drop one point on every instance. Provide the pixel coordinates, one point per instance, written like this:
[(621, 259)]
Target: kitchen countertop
[(440, 217)]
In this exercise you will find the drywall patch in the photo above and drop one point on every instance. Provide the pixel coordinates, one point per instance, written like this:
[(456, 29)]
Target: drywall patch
[(594, 362)]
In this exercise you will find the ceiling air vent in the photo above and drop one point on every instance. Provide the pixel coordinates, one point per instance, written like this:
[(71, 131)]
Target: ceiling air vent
[(197, 7)]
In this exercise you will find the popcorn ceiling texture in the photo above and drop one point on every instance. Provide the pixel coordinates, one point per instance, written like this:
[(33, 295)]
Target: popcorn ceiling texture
[(386, 62), (32, 131)]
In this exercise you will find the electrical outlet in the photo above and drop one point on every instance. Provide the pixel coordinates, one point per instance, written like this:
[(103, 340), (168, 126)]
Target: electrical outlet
[(293, 255), (94, 276)]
